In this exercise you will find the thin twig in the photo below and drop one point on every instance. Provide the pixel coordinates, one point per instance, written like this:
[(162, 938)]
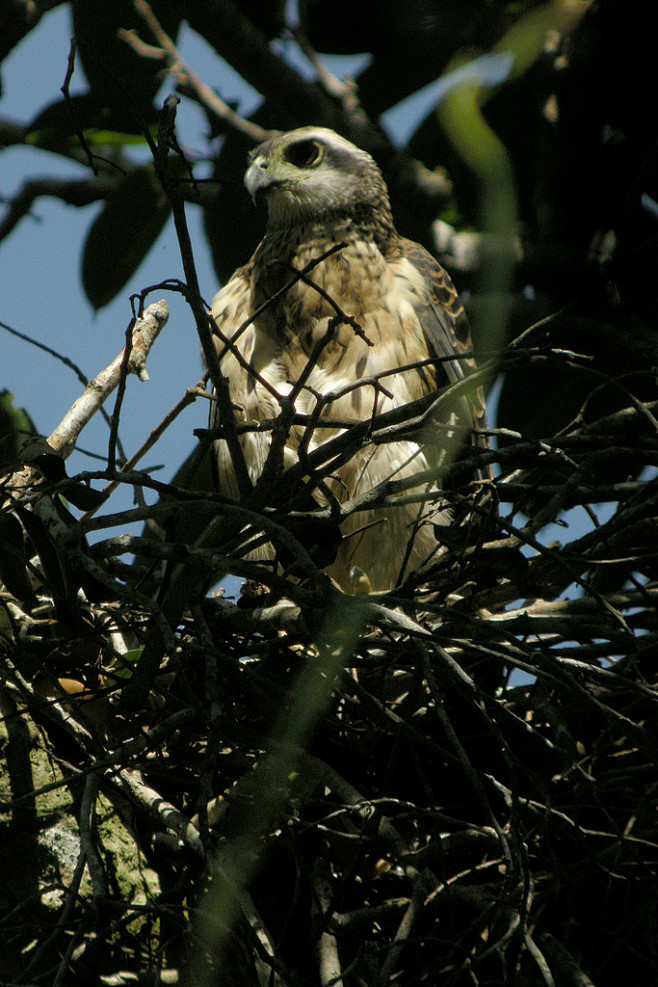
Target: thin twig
[(64, 89), (186, 76)]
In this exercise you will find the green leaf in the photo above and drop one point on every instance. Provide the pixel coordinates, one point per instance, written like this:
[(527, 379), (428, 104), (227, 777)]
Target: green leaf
[(13, 560), (50, 140), (57, 127), (16, 428), (119, 239), (39, 453), (123, 666), (60, 580)]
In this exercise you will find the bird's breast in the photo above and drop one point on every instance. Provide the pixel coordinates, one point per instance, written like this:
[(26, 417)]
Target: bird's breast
[(302, 289)]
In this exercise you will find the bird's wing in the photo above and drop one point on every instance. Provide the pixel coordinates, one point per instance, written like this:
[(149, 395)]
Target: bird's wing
[(444, 325)]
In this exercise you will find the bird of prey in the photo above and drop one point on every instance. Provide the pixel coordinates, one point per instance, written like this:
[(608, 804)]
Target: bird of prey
[(404, 336)]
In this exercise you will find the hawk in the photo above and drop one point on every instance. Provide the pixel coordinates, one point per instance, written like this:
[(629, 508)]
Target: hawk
[(400, 323)]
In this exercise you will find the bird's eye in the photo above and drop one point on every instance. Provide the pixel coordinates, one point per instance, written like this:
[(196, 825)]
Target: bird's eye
[(304, 154)]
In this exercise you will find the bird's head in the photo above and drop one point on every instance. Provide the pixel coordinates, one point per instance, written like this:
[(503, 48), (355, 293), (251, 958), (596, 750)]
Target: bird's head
[(314, 174)]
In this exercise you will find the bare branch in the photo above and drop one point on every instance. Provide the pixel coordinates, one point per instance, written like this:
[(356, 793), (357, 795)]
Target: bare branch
[(145, 332), (246, 48), (186, 76)]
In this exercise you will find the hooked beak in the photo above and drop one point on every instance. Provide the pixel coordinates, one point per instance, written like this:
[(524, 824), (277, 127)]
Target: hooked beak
[(257, 178)]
